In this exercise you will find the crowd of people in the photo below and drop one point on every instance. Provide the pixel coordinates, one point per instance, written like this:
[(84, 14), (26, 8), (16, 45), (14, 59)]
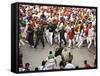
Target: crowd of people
[(66, 26), (51, 64)]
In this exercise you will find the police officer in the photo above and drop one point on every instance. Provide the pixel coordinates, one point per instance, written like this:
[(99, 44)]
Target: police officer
[(39, 36), (62, 36)]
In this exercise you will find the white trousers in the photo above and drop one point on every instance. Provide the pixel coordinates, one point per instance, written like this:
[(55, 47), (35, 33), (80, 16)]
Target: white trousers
[(21, 43), (70, 42), (94, 38), (80, 41), (50, 37), (77, 37), (66, 36), (47, 35), (89, 41)]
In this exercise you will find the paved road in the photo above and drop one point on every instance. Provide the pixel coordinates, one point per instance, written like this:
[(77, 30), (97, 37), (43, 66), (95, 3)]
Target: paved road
[(35, 56)]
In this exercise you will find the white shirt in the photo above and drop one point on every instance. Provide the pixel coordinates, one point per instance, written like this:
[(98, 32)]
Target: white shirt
[(71, 18), (91, 32), (69, 66), (67, 28), (46, 14), (41, 68), (50, 65), (61, 25), (94, 22), (66, 17), (21, 69)]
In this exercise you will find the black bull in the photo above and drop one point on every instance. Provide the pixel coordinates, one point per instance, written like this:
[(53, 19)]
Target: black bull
[(59, 52)]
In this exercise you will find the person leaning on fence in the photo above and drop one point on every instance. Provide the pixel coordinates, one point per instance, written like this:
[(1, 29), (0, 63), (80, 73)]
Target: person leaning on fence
[(42, 67), (51, 63), (86, 65), (69, 65), (27, 67)]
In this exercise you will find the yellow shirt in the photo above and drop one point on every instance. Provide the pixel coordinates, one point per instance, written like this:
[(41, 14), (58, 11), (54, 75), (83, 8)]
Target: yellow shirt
[(79, 28)]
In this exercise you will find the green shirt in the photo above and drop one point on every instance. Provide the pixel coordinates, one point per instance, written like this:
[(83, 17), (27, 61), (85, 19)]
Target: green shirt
[(20, 35), (51, 56), (22, 22)]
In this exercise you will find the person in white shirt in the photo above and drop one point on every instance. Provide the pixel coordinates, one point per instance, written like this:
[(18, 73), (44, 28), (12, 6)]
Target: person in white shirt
[(90, 36), (50, 34), (72, 18), (69, 65), (42, 67), (80, 42), (50, 64), (21, 69), (67, 28), (61, 25), (47, 34)]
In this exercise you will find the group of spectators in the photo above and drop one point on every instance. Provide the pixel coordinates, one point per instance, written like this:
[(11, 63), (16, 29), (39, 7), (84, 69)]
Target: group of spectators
[(74, 26), (57, 24)]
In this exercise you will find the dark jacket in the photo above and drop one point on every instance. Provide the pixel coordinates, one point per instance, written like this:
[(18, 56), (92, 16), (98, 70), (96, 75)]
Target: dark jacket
[(39, 32)]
